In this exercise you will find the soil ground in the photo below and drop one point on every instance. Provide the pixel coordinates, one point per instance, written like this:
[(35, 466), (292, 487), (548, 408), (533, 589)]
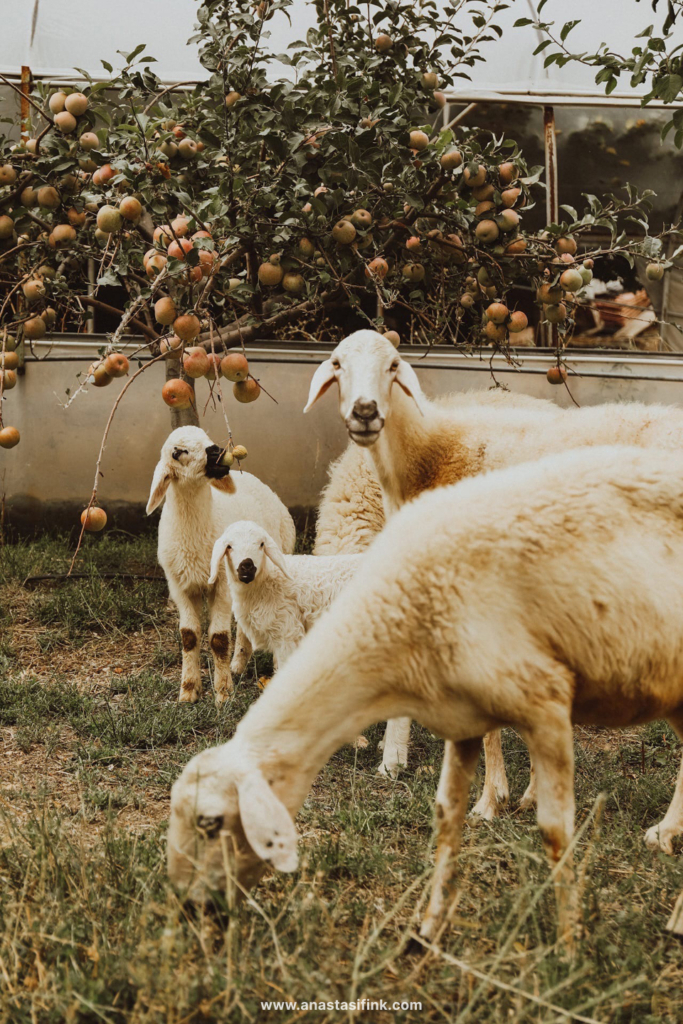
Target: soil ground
[(91, 738)]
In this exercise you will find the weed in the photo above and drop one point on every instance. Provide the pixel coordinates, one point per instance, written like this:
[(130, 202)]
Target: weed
[(90, 930)]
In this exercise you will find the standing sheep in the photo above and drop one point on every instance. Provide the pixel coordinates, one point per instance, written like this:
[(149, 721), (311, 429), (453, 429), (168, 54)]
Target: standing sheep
[(538, 596), (351, 511), (276, 598), (202, 498), (416, 445)]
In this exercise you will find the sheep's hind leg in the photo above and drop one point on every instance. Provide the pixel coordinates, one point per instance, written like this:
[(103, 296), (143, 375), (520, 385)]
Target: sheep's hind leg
[(459, 764), (189, 607), (243, 652), (220, 641), (396, 741), (661, 836), (496, 793), (528, 798), (551, 746)]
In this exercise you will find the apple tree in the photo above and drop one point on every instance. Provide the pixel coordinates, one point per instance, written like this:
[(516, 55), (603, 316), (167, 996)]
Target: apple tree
[(292, 195)]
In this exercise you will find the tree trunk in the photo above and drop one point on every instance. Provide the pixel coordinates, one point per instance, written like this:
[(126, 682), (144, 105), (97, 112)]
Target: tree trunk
[(181, 417)]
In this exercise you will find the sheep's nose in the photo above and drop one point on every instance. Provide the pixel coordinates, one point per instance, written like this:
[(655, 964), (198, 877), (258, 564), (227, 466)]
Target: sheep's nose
[(246, 570), (365, 409)]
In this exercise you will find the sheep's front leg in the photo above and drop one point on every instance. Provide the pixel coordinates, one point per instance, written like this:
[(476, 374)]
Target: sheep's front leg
[(220, 639), (496, 793), (551, 746), (459, 764), (243, 652), (661, 836), (396, 742), (189, 608)]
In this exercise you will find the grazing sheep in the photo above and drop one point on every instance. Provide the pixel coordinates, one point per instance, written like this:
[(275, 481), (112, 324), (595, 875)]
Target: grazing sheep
[(202, 498), (537, 596), (416, 445), (351, 512), (276, 598)]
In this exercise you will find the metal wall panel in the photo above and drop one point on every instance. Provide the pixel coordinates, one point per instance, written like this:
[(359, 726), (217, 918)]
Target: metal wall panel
[(53, 467)]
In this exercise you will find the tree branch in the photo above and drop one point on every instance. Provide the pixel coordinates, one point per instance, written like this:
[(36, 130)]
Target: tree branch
[(88, 300), (25, 97), (23, 183)]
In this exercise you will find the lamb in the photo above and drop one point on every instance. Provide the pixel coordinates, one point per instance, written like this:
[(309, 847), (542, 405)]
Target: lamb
[(536, 596), (351, 511), (202, 498), (276, 598), (416, 445)]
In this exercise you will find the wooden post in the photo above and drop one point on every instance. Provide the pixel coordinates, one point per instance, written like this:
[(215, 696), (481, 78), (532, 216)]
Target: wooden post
[(182, 417), (552, 205), (25, 106)]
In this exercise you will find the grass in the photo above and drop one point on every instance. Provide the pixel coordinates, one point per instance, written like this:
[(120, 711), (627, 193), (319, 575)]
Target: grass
[(90, 931)]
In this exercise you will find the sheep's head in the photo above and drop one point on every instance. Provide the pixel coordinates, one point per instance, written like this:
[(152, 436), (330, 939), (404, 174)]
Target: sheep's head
[(187, 455), (226, 821), (365, 366), (245, 546)]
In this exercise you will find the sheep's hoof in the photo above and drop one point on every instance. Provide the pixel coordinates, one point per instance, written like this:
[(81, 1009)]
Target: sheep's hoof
[(414, 947), (263, 682), (221, 696), (360, 743), (390, 769), (658, 838), (238, 664), (189, 694), (487, 807), (528, 800)]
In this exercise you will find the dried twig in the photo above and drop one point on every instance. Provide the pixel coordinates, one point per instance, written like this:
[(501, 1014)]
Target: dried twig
[(93, 496)]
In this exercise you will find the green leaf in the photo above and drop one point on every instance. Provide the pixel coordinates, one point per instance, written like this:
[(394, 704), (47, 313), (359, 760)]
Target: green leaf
[(566, 29), (131, 56), (668, 87)]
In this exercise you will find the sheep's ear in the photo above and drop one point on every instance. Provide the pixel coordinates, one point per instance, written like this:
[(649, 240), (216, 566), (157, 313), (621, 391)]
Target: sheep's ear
[(160, 482), (267, 823), (225, 484), (323, 378), (219, 549), (276, 556), (406, 378)]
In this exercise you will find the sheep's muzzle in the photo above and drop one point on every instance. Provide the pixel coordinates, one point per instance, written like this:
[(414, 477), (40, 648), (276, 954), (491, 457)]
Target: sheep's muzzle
[(365, 422), (214, 470), (246, 571)]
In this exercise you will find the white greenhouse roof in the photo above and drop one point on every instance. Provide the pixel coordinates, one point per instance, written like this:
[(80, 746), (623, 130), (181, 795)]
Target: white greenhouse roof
[(512, 73), (54, 36)]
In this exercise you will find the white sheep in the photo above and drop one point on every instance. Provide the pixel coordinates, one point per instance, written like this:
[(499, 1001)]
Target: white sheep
[(202, 498), (351, 511), (537, 596), (416, 445), (276, 598)]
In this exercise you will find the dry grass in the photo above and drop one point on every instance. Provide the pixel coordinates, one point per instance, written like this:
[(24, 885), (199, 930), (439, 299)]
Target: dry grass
[(91, 738)]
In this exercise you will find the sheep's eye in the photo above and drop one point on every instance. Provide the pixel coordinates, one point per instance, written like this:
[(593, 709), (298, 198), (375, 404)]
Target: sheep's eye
[(336, 364), (229, 548), (263, 544), (393, 368), (210, 826)]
